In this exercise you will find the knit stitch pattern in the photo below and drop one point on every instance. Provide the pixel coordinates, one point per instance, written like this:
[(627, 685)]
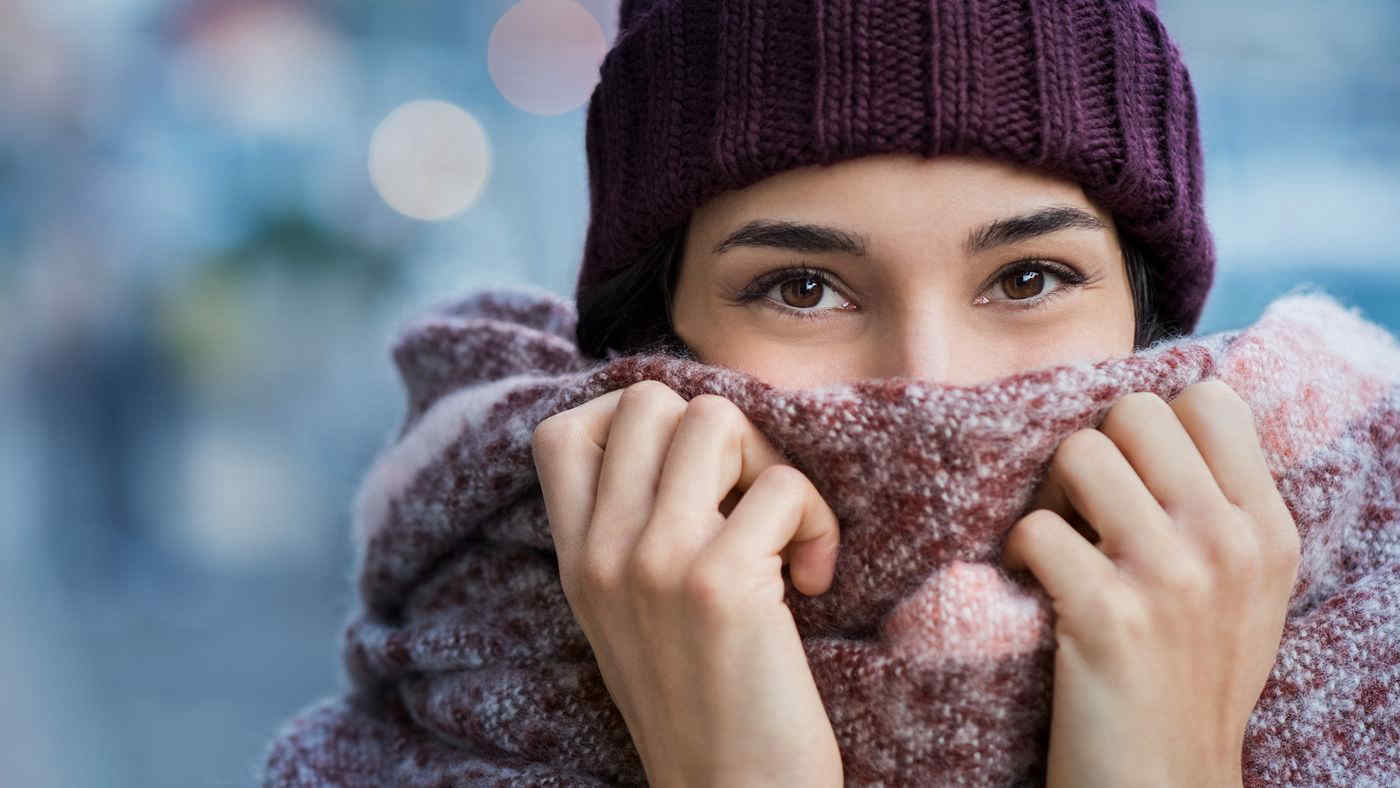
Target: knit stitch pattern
[(935, 664), (697, 97)]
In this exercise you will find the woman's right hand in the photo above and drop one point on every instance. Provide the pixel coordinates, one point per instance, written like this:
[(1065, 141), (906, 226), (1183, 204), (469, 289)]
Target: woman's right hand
[(682, 598)]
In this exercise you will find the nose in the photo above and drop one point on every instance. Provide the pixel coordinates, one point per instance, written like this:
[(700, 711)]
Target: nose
[(920, 344)]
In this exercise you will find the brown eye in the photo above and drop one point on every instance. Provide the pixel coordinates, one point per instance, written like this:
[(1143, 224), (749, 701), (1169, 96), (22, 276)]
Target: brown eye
[(797, 292), (802, 291), (1024, 283), (1026, 288)]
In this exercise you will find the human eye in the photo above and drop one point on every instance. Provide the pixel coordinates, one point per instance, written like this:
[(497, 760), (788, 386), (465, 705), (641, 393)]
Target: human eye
[(1024, 284), (800, 292)]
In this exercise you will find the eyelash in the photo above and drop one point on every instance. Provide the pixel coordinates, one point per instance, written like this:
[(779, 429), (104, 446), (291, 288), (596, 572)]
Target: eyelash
[(761, 285)]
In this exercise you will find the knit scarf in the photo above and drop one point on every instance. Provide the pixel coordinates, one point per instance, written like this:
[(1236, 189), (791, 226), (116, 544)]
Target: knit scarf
[(466, 666)]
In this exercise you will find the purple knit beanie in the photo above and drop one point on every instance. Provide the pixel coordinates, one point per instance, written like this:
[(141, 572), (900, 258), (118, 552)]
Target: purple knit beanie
[(697, 97)]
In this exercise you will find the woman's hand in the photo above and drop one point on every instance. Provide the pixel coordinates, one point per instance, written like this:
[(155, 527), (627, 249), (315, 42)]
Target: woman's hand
[(1167, 629), (680, 597)]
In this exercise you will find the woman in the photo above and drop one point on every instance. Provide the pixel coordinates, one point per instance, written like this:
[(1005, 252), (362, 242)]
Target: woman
[(888, 198)]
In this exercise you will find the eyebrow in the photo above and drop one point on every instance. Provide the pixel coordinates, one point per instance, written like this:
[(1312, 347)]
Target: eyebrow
[(1013, 229), (797, 236), (814, 238)]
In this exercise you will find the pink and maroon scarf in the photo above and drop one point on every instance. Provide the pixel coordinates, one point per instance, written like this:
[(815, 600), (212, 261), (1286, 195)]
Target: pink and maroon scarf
[(466, 666)]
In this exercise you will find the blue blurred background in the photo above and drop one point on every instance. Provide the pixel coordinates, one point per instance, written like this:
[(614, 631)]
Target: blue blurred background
[(214, 213)]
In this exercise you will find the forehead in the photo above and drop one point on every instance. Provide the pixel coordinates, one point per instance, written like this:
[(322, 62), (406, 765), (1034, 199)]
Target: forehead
[(893, 194)]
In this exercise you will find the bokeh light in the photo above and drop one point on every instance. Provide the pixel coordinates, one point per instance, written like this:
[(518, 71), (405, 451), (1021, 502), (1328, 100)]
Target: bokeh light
[(264, 67), (544, 55), (429, 159), (242, 503)]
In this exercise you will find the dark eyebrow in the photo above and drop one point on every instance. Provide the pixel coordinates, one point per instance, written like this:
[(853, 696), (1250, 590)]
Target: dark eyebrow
[(1020, 228), (815, 238), (797, 236)]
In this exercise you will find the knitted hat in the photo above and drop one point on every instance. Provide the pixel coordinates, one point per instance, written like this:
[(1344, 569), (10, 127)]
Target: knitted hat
[(697, 97)]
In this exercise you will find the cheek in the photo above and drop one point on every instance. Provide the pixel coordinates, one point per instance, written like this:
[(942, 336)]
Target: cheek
[(1075, 347), (798, 370), (1093, 335), (788, 364), (1089, 335)]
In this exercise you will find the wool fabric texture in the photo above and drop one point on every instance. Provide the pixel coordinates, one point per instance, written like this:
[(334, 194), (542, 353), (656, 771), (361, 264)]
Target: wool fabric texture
[(697, 97), (935, 664)]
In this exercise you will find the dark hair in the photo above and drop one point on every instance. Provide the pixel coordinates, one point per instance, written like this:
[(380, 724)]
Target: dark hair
[(631, 310)]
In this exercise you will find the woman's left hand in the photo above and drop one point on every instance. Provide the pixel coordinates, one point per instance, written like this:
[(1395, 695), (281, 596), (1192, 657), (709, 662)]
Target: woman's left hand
[(1168, 626)]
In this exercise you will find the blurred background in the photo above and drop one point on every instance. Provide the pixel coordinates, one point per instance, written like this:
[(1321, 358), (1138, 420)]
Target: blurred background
[(214, 213)]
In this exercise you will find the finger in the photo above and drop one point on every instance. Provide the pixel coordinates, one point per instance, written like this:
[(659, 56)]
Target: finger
[(782, 512), (1146, 430), (714, 449), (1051, 495), (1222, 426), (567, 448), (644, 420), (1090, 477), (1062, 560)]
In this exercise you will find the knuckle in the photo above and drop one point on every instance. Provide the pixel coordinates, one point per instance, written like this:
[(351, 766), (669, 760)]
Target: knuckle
[(1234, 550), (1186, 578), (1030, 525), (715, 409), (596, 577), (1214, 396), (650, 397), (783, 477), (1141, 399), (1087, 442), (649, 568), (1239, 559), (1220, 395), (1115, 613), (649, 394), (1027, 534), (1032, 519), (552, 432), (1135, 407), (708, 588), (645, 389)]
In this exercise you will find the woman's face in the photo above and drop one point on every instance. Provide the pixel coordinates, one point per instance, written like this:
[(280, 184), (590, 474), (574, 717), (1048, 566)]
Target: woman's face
[(954, 269)]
